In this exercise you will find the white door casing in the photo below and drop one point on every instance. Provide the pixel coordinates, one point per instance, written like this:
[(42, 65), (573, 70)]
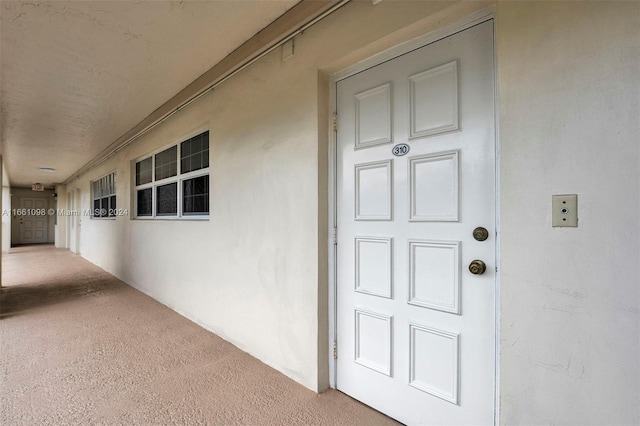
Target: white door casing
[(68, 219), (34, 226), (415, 329), (78, 219)]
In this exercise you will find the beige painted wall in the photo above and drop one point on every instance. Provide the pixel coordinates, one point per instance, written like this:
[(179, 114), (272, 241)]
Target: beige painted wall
[(6, 219), (5, 232), (569, 123), (61, 225), (254, 273)]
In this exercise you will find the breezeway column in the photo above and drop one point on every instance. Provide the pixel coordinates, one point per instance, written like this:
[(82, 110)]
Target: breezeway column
[(61, 220)]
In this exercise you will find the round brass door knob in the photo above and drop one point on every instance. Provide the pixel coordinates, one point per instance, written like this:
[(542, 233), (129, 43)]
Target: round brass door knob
[(477, 267), (480, 233)]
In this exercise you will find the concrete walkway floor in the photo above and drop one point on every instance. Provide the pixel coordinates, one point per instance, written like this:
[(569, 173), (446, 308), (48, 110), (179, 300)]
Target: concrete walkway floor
[(78, 346)]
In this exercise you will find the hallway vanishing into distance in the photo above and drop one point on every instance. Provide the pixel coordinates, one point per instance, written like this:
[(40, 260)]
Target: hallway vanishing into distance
[(78, 346)]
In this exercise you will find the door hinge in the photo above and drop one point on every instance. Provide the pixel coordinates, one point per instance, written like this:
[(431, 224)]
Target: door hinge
[(334, 121), (335, 350), (335, 235)]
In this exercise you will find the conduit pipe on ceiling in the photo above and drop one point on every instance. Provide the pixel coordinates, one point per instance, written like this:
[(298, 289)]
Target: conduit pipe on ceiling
[(314, 10)]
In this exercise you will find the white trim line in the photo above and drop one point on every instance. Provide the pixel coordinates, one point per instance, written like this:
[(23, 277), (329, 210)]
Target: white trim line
[(496, 135), (333, 238)]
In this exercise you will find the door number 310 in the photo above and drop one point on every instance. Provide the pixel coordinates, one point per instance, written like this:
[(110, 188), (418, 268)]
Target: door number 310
[(400, 149)]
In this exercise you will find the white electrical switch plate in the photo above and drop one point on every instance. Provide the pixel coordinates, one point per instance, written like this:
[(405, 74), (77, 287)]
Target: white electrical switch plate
[(564, 210)]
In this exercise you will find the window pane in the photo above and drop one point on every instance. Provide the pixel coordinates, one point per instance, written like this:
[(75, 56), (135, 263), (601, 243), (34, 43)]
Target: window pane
[(195, 195), (167, 163), (205, 156), (167, 199), (104, 190), (143, 171), (196, 161), (194, 153), (185, 164), (104, 207), (196, 144), (185, 148), (144, 202), (112, 205)]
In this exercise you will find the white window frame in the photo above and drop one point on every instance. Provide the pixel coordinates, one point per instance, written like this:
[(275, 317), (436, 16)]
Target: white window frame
[(179, 178), (114, 194)]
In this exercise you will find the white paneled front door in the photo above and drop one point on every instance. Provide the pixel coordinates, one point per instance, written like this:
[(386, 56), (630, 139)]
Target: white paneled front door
[(34, 224), (415, 178)]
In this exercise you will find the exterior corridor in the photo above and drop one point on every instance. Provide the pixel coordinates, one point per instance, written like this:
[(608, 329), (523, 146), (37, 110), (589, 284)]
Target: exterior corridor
[(78, 346)]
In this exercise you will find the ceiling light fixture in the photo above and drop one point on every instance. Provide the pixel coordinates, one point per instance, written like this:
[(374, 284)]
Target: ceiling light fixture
[(47, 169)]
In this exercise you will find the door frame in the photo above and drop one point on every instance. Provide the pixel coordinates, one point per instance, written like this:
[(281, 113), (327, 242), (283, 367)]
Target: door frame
[(68, 219), (483, 15), (78, 218)]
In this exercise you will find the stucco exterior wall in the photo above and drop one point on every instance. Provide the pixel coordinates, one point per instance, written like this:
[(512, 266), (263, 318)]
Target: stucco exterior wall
[(5, 232), (61, 223), (569, 124), (254, 273)]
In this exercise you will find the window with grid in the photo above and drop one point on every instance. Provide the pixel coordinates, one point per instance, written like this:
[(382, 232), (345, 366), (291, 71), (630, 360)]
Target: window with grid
[(103, 192), (174, 182)]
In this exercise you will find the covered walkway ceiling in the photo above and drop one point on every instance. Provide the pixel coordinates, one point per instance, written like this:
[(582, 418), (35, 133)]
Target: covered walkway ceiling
[(77, 75)]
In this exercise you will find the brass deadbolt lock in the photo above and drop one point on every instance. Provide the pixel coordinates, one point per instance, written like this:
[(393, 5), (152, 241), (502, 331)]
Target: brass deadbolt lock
[(480, 233), (477, 267)]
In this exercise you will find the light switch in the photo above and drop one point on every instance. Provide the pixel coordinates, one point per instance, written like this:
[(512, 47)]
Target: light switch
[(564, 210)]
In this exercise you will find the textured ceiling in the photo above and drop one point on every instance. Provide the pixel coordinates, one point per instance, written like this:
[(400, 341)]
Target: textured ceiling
[(76, 75)]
